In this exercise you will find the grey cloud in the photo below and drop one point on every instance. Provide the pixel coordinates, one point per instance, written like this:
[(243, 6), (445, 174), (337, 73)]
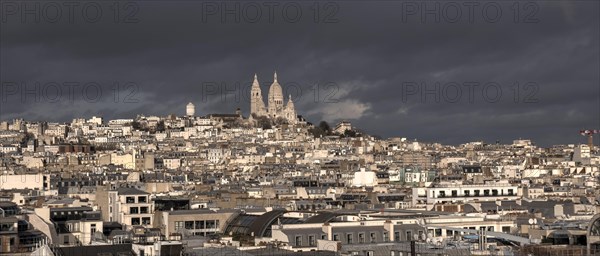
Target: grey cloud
[(171, 53)]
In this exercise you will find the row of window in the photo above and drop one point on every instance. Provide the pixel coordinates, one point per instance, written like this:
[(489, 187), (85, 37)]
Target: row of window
[(76, 227), (140, 199), (361, 237), (199, 224), (140, 221), (7, 227), (139, 210), (477, 192), (349, 238), (311, 240), (65, 213), (438, 232)]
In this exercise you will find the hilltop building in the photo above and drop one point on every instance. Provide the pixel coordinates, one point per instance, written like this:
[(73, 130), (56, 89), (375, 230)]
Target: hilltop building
[(275, 108)]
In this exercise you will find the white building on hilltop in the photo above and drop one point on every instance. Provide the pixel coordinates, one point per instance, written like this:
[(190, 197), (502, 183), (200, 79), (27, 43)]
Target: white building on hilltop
[(190, 109), (275, 108)]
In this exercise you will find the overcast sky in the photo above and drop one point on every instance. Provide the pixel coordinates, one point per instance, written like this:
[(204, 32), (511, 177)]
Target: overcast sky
[(531, 71)]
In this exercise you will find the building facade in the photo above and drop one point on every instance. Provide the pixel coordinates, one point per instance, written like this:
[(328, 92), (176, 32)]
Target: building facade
[(276, 107), (129, 206)]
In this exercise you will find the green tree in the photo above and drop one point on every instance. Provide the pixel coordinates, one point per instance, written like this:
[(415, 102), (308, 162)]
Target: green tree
[(324, 126), (264, 122), (323, 129), (160, 127), (350, 133)]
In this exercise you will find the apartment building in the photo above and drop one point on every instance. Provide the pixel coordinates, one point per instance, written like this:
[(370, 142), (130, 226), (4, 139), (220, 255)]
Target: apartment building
[(201, 222), (449, 192), (129, 206)]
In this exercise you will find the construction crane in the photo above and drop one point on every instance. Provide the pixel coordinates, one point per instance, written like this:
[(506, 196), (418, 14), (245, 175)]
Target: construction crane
[(590, 135)]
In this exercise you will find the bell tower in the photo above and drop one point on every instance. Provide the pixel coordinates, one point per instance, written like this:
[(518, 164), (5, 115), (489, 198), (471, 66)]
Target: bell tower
[(257, 105)]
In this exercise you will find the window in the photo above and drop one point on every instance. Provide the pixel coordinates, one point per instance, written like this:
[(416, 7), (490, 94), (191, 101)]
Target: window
[(409, 235), (66, 239), (350, 238), (144, 209), (438, 232), (146, 221), (442, 194), (336, 237), (486, 192), (311, 240), (142, 199), (199, 224), (323, 237), (370, 253), (212, 223), (477, 192), (135, 221), (178, 225), (397, 236), (454, 193), (467, 192), (133, 210), (386, 237), (298, 241), (449, 233), (361, 238), (93, 228), (510, 192), (189, 225), (494, 192), (130, 200), (506, 229), (373, 237)]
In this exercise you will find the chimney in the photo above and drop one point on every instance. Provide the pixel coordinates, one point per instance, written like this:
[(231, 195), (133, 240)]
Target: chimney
[(389, 227), (328, 229)]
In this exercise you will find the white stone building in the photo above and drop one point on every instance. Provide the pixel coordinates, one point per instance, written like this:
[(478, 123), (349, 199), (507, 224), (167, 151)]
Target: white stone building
[(275, 107)]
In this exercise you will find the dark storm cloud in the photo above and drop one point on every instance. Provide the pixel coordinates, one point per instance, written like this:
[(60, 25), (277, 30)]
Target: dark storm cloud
[(174, 52)]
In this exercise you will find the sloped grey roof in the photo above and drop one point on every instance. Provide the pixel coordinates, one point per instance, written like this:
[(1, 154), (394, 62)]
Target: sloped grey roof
[(131, 191)]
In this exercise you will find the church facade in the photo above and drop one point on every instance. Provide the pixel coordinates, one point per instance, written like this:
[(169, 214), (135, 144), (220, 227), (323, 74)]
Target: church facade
[(276, 107)]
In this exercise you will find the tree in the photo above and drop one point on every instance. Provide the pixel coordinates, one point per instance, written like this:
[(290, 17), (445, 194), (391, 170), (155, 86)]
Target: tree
[(325, 127), (137, 125), (317, 132), (350, 133), (322, 130), (263, 122), (160, 127), (280, 121)]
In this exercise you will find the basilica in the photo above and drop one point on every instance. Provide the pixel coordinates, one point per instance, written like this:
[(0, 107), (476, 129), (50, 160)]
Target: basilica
[(276, 108)]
